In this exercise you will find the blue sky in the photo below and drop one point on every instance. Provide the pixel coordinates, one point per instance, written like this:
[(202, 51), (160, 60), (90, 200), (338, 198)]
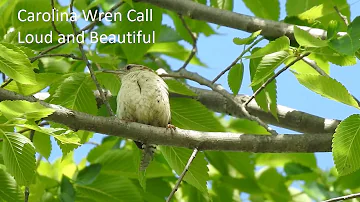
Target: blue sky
[(218, 51)]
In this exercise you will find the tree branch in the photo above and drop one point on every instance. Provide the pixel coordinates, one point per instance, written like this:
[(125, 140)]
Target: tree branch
[(33, 59), (237, 59), (181, 138), (187, 166), (288, 118), (183, 73), (275, 75), (270, 29), (52, 21), (92, 74), (313, 64), (194, 40), (350, 196)]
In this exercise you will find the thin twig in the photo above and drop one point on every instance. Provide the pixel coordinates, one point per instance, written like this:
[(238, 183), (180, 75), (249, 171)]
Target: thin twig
[(3, 76), (81, 48), (27, 193), (52, 21), (33, 59), (92, 143), (350, 196), (27, 189), (237, 59), (343, 17), (192, 157), (273, 77), (27, 129), (313, 64), (6, 83), (194, 40), (218, 88)]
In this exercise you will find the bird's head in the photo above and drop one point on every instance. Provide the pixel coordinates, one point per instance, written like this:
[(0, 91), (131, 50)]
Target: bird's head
[(129, 68)]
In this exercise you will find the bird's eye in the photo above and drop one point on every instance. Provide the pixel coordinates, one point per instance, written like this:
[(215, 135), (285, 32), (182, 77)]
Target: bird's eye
[(128, 67)]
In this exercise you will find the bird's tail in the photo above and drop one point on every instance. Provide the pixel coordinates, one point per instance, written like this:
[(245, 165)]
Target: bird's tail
[(147, 156)]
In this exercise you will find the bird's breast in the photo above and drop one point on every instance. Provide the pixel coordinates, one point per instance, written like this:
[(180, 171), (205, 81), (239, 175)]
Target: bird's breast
[(144, 98)]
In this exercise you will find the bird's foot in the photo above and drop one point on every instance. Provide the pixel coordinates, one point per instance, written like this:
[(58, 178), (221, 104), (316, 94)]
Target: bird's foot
[(171, 127)]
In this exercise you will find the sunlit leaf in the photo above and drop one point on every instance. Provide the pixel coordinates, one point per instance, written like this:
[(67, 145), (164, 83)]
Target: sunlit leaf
[(346, 145)]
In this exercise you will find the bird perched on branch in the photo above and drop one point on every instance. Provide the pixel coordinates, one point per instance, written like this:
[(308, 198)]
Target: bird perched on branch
[(143, 98)]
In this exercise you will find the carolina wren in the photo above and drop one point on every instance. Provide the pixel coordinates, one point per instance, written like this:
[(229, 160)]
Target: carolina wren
[(143, 98)]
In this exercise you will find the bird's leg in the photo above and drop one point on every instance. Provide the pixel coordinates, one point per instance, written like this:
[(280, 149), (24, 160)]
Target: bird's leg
[(171, 127)]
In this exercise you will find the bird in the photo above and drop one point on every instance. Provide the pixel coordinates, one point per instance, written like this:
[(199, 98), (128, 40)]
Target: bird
[(144, 98)]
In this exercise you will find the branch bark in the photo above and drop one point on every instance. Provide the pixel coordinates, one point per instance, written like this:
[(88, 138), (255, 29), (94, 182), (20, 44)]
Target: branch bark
[(288, 118), (181, 138), (270, 29)]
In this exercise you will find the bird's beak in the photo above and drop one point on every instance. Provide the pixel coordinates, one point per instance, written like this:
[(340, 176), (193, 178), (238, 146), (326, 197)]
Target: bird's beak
[(112, 71)]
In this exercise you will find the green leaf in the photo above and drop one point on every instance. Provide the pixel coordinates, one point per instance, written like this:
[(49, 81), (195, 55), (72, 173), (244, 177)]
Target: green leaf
[(9, 190), (272, 183), (196, 26), (168, 34), (112, 188), (19, 157), (266, 99), (158, 188), (222, 4), (130, 2), (302, 67), (247, 40), (269, 9), (346, 145), (336, 58), (15, 64), (67, 191), (178, 87), (193, 194), (296, 169), (110, 164), (304, 38), (135, 51), (75, 93), (279, 44), (67, 141), (321, 11), (55, 65), (248, 127), (110, 81), (327, 87), (243, 162), (279, 160), (88, 174), (21, 108), (223, 191), (349, 43), (235, 77), (177, 158), (267, 66), (43, 80), (175, 50), (99, 150), (55, 171), (42, 144), (191, 114)]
